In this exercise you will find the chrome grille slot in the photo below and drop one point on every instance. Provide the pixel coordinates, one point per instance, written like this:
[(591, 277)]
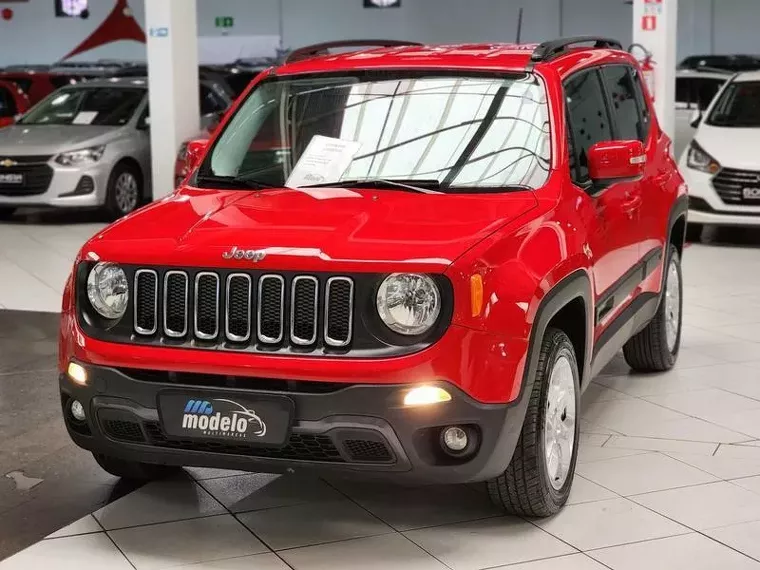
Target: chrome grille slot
[(730, 183), (271, 309), (206, 318), (339, 308), (238, 308), (175, 304), (304, 300), (146, 302)]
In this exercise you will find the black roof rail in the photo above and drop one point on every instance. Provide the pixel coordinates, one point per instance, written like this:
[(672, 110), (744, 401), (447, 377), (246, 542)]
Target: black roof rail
[(548, 50), (307, 52)]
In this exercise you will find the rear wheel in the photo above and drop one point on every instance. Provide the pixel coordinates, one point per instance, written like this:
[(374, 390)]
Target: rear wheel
[(6, 212), (133, 470), (655, 349), (537, 481), (124, 191)]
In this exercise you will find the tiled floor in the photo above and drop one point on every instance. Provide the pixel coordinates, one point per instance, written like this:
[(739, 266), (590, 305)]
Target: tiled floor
[(668, 474)]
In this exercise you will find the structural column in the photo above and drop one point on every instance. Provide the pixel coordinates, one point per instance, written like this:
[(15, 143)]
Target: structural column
[(173, 84), (655, 26)]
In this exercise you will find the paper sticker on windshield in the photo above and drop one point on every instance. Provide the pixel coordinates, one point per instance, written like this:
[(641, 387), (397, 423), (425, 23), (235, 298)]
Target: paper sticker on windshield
[(324, 160), (84, 118)]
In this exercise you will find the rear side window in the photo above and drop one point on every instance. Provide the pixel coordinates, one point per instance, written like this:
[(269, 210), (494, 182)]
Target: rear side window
[(23, 84), (7, 103), (210, 101), (588, 119), (618, 80)]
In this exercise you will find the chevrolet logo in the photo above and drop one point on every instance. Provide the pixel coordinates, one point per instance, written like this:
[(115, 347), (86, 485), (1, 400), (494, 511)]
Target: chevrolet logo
[(7, 163)]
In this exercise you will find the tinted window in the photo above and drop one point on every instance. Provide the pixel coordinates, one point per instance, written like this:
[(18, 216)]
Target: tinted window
[(87, 106), (697, 92), (684, 90), (625, 109), (738, 106), (59, 81), (23, 84), (707, 89), (588, 118), (211, 102), (643, 102), (7, 103)]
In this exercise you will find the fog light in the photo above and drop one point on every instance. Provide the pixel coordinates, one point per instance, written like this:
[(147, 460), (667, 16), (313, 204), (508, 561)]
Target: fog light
[(77, 411), (77, 373), (455, 439), (426, 395)]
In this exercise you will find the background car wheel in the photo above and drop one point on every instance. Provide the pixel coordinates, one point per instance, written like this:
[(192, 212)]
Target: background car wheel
[(133, 470), (694, 233), (124, 192), (537, 481), (655, 349), (6, 213)]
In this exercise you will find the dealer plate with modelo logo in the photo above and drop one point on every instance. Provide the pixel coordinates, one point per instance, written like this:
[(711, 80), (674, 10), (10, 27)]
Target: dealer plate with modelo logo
[(751, 194), (11, 178), (223, 417)]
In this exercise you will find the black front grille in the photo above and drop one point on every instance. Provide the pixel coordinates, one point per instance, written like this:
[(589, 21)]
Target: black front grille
[(206, 306), (239, 311), (300, 447), (123, 430), (271, 308), (239, 307), (367, 451), (730, 183), (146, 301), (36, 176)]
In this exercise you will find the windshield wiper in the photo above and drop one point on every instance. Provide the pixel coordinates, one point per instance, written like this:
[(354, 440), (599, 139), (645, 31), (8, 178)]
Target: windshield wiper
[(235, 182), (430, 186)]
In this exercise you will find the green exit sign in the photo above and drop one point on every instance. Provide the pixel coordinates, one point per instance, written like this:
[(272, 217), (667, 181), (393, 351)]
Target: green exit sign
[(224, 21)]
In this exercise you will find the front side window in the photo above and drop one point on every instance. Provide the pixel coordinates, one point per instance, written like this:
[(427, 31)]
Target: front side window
[(625, 109), (738, 106), (589, 122), (104, 106), (458, 133)]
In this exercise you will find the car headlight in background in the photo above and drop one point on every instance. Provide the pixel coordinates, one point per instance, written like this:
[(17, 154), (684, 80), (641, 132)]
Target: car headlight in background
[(699, 159), (108, 290), (409, 303), (75, 157)]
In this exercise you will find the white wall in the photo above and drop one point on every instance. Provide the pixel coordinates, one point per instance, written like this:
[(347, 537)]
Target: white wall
[(36, 36)]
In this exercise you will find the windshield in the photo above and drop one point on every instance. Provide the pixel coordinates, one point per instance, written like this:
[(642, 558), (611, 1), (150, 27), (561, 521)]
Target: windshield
[(458, 132), (738, 106), (105, 106)]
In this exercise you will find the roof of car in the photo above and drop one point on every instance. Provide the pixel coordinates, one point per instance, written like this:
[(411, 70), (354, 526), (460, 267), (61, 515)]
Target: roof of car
[(483, 56), (706, 73), (140, 82), (748, 76)]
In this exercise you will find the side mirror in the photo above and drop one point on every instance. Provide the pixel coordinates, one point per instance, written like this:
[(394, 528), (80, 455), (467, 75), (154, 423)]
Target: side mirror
[(196, 150), (616, 161), (696, 118)]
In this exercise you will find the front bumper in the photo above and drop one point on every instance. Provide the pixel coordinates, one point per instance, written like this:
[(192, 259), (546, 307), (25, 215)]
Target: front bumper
[(68, 187), (706, 206), (358, 429)]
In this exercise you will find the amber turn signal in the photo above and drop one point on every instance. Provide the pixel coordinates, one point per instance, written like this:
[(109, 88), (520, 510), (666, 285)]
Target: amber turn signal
[(476, 294)]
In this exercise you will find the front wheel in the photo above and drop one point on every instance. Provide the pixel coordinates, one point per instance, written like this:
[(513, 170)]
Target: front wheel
[(124, 191), (537, 481), (655, 349)]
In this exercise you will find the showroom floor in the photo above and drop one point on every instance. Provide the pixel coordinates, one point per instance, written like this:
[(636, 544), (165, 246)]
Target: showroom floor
[(668, 474)]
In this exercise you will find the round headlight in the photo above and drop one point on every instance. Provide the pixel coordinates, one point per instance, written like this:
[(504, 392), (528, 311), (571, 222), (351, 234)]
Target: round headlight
[(408, 303), (108, 290)]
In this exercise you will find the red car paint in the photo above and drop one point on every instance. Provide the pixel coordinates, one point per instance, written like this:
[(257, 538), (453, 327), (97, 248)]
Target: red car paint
[(16, 103), (586, 257), (38, 84), (522, 244)]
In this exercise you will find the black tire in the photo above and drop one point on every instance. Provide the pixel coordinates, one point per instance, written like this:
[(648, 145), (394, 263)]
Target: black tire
[(525, 488), (6, 213), (648, 351), (694, 233), (116, 207), (133, 470)]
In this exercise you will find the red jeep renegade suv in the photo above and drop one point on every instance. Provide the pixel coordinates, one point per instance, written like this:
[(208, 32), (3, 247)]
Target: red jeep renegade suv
[(447, 245)]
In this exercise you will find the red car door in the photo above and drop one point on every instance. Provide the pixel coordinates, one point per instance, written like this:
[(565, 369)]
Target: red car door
[(610, 213)]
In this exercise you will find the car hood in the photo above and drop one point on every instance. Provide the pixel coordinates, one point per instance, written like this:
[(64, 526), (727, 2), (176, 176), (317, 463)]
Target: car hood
[(320, 229), (732, 148), (51, 139)]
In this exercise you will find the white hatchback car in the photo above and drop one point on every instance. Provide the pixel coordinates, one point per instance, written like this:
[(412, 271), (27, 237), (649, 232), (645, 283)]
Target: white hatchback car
[(722, 163)]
